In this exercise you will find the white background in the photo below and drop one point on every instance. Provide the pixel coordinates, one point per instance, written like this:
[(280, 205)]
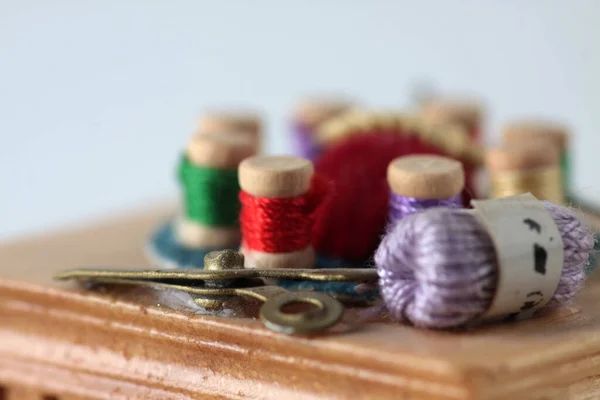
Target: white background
[(98, 97)]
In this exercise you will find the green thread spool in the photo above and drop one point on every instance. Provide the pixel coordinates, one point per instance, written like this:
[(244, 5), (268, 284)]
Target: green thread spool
[(527, 131), (210, 194), (209, 182)]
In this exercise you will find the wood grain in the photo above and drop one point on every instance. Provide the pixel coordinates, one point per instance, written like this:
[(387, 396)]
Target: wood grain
[(69, 342)]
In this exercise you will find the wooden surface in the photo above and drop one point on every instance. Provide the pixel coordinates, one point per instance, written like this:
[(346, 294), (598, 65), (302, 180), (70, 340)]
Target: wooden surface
[(58, 339)]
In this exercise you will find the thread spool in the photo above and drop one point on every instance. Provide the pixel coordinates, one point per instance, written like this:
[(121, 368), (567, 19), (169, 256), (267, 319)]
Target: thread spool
[(210, 207), (467, 113), (418, 182), (233, 121), (531, 167), (279, 199), (308, 115), (453, 282), (519, 132), (209, 183)]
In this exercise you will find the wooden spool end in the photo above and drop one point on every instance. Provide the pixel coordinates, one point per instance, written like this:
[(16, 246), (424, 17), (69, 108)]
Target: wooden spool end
[(232, 121), (275, 176), (302, 259), (193, 235), (311, 112), (525, 156), (524, 131), (220, 150), (464, 111), (426, 177)]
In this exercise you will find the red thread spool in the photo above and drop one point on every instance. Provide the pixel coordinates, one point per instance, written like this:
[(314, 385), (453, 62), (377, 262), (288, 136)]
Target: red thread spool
[(280, 199)]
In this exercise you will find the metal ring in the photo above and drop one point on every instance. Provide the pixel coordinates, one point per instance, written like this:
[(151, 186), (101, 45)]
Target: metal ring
[(328, 312)]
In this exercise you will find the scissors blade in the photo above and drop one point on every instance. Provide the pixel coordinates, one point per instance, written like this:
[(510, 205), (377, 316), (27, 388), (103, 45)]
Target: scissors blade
[(199, 276)]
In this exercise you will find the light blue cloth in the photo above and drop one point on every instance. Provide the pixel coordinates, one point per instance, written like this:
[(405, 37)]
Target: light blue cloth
[(164, 246)]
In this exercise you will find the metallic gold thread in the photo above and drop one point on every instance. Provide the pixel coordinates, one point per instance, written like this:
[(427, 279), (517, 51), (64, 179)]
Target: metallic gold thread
[(452, 139), (543, 183)]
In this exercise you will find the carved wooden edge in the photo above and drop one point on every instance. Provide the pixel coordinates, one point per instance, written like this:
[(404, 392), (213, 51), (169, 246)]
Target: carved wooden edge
[(151, 348), (52, 339)]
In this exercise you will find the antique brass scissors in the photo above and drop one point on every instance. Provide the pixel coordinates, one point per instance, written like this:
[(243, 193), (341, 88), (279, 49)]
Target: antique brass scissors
[(224, 275)]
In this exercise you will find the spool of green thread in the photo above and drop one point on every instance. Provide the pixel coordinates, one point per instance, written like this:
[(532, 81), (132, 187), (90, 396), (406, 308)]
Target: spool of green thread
[(210, 194), (523, 131), (208, 177)]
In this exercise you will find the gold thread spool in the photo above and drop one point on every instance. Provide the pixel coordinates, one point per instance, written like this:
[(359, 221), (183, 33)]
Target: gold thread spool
[(232, 121), (517, 132), (524, 131), (277, 177), (220, 151), (530, 168)]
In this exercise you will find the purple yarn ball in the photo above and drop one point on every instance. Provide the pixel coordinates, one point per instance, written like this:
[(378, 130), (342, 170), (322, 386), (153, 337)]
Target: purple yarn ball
[(437, 268)]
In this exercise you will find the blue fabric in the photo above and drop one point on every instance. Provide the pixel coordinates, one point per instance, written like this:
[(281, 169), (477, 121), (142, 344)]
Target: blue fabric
[(164, 245), (344, 288)]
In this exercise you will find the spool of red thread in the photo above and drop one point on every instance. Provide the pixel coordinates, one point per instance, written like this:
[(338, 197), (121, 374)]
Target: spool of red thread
[(279, 201)]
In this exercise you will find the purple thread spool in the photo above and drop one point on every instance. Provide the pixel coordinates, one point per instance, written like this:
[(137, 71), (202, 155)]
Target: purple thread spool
[(305, 146), (419, 182), (437, 269), (308, 115)]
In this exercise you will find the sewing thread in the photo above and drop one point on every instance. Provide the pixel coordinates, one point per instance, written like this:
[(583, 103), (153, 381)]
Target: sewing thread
[(281, 225), (356, 216), (438, 268), (544, 183), (306, 146), (210, 194), (401, 206)]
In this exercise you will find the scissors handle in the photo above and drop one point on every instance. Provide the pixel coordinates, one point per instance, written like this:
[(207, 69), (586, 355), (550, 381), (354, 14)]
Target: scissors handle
[(317, 311)]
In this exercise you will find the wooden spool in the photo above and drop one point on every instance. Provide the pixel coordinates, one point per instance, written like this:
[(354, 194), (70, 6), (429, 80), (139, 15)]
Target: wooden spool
[(530, 167), (467, 113), (221, 151), (519, 132), (310, 112), (532, 131), (277, 177), (233, 121), (426, 177)]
